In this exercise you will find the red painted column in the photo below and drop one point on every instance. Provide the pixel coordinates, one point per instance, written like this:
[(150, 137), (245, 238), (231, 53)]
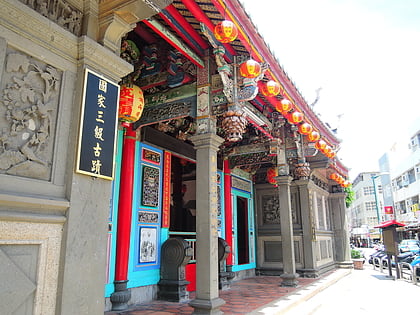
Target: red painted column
[(228, 208), (121, 295)]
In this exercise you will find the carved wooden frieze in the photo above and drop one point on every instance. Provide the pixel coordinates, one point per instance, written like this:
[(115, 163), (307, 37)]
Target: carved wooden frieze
[(28, 109), (167, 111), (251, 159), (60, 12), (241, 184)]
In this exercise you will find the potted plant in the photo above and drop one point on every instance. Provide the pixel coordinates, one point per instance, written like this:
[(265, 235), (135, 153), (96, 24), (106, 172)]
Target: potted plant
[(358, 259)]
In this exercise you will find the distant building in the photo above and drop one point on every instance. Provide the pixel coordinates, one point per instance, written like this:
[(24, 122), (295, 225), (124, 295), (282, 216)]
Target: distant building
[(406, 183), (397, 186), (365, 212)]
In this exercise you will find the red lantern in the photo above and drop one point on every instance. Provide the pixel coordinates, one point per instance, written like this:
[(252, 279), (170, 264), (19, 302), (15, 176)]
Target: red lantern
[(285, 105), (250, 69), (131, 103), (334, 176), (295, 117), (271, 173), (225, 31), (320, 145), (305, 128), (314, 136), (346, 183), (270, 88)]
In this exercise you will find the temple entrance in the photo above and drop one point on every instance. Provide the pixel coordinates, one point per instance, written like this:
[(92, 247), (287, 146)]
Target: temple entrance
[(183, 209), (182, 217), (242, 230)]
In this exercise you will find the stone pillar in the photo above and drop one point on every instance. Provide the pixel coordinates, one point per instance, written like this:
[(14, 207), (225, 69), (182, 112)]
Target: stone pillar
[(289, 275), (207, 299), (308, 227), (340, 227)]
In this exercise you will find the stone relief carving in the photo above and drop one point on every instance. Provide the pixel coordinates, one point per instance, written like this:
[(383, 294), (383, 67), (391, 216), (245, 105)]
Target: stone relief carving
[(271, 209), (60, 12), (28, 109)]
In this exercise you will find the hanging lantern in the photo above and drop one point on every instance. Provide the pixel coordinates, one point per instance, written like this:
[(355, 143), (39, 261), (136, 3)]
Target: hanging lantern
[(225, 31), (314, 136), (271, 174), (270, 88), (250, 69), (320, 145), (346, 184), (295, 117), (285, 106), (332, 154), (334, 176), (131, 103), (305, 128)]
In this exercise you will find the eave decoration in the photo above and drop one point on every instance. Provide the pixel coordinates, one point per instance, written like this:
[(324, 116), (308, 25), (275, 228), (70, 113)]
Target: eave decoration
[(237, 89)]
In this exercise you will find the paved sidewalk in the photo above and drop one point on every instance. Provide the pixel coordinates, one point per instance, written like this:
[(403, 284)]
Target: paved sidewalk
[(257, 295), (366, 291)]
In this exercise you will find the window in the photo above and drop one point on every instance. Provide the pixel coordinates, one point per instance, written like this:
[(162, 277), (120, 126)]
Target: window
[(401, 207), (370, 206), (411, 176), (368, 190)]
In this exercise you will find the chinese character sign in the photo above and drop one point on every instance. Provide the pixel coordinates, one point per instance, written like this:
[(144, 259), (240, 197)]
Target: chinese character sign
[(97, 135)]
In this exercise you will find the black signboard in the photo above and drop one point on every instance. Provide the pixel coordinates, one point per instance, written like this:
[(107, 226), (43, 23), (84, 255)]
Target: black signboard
[(98, 126)]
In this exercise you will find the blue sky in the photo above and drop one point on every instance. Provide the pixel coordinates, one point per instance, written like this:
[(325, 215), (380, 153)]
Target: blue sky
[(365, 57)]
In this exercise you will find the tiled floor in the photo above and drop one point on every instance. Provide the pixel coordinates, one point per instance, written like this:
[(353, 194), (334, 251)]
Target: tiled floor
[(243, 297)]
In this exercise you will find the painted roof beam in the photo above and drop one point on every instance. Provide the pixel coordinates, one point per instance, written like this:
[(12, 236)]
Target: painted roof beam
[(186, 26), (174, 42), (195, 10)]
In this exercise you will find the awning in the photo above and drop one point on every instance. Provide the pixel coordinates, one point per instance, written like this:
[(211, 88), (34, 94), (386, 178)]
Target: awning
[(390, 223)]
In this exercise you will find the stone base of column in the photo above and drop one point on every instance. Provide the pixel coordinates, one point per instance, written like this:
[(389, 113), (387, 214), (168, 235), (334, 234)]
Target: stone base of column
[(289, 280), (207, 306), (345, 264), (173, 290), (121, 295)]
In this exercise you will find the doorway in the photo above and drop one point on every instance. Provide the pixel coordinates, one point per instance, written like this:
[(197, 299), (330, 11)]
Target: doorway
[(242, 230)]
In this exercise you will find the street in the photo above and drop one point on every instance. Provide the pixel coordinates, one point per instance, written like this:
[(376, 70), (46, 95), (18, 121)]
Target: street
[(364, 291)]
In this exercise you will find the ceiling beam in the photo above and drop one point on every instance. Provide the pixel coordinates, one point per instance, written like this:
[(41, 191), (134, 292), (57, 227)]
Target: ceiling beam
[(174, 42)]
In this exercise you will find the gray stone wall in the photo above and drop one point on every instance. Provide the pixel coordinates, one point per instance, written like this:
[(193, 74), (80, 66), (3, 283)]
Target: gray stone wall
[(53, 222)]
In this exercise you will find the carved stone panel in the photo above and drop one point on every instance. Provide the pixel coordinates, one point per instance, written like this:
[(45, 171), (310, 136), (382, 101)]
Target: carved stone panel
[(30, 91), (271, 209), (60, 12)]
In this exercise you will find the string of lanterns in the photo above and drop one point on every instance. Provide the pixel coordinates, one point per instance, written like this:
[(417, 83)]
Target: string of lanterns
[(340, 180), (226, 31)]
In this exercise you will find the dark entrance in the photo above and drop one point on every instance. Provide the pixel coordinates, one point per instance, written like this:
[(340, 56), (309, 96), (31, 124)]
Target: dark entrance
[(242, 230), (182, 218)]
